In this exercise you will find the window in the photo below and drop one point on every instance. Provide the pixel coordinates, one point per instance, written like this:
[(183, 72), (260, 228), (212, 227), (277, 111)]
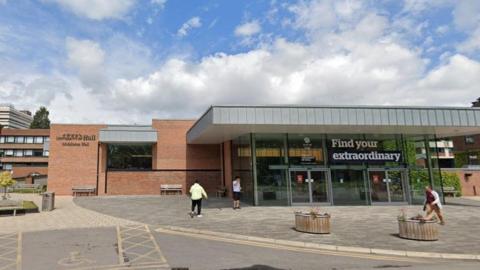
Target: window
[(7, 167), (2, 139), (38, 139), (29, 140), (46, 139), (18, 153), (28, 153), (9, 153), (130, 157), (38, 153), (46, 153), (19, 139), (469, 140), (2, 153), (10, 139)]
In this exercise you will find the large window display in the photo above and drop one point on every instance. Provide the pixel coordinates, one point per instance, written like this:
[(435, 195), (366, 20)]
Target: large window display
[(342, 169), (242, 166), (129, 157), (271, 169)]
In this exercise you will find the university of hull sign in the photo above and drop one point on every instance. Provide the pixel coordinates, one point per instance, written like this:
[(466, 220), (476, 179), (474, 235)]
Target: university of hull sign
[(360, 151), (75, 139)]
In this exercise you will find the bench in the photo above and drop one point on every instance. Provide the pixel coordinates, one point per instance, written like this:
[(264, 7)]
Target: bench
[(88, 190), (10, 206), (221, 191), (166, 188), (32, 187), (449, 190)]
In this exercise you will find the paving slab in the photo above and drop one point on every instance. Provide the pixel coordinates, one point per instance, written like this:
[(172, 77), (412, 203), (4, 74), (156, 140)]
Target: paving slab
[(373, 227)]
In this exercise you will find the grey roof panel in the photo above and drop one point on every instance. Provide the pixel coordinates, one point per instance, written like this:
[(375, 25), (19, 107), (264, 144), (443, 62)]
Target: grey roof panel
[(128, 134), (223, 122)]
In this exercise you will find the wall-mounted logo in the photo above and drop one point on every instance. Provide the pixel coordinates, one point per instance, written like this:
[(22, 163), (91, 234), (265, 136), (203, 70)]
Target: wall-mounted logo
[(76, 139)]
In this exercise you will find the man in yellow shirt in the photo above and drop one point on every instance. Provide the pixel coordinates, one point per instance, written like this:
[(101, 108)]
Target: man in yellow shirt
[(197, 193)]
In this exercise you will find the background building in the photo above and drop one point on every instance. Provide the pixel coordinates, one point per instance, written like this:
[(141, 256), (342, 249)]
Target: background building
[(12, 118), (25, 153)]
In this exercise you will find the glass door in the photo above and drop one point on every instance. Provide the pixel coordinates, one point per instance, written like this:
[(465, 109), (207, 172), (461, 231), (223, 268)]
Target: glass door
[(319, 186), (309, 186), (387, 186), (300, 186)]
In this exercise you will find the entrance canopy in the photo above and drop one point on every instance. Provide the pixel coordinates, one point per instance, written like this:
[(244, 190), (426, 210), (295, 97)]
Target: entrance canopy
[(223, 123)]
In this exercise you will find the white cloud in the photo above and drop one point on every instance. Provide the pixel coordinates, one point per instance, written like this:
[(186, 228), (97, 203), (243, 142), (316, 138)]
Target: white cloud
[(472, 43), (191, 23), (442, 29), (248, 29), (97, 9), (466, 14), (87, 58), (160, 3)]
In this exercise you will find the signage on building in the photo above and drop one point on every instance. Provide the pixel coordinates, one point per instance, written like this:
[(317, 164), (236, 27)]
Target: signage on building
[(358, 151), (300, 178), (76, 139), (307, 157)]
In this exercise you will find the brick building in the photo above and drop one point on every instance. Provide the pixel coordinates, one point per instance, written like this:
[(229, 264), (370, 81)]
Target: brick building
[(25, 152), (285, 155)]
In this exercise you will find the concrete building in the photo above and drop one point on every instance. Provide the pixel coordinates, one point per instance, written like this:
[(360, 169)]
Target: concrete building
[(285, 155), (12, 118), (25, 152)]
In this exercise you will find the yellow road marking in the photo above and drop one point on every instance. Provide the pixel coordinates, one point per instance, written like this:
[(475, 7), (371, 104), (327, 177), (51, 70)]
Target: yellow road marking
[(155, 243), (121, 259), (297, 249), (19, 251)]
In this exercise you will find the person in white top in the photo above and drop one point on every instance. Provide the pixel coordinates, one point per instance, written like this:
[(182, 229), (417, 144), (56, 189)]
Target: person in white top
[(433, 204), (237, 189)]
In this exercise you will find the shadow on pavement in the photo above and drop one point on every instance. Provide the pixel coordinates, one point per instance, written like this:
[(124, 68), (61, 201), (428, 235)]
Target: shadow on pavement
[(256, 267)]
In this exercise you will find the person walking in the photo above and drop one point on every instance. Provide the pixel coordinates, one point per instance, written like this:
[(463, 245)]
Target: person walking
[(237, 189), (197, 194), (433, 205)]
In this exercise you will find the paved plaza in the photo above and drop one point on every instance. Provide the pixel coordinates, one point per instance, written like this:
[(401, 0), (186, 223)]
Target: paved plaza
[(66, 215), (358, 226)]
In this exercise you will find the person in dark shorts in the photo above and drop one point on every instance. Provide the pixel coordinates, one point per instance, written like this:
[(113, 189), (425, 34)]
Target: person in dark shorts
[(237, 189)]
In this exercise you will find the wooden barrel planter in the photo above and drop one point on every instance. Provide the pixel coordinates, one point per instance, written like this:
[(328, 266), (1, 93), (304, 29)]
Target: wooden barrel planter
[(312, 223), (418, 230)]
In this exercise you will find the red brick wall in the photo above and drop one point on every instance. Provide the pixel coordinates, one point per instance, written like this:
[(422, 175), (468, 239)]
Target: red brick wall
[(148, 182), (173, 162), (72, 165), (460, 145), (25, 171), (470, 184)]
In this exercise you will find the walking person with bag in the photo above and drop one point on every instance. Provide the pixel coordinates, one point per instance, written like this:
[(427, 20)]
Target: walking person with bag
[(197, 194)]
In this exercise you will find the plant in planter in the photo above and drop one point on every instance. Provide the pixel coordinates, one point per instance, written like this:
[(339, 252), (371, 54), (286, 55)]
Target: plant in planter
[(417, 228), (312, 222)]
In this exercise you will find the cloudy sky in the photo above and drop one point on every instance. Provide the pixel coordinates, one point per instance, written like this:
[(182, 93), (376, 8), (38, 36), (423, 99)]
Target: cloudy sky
[(128, 61)]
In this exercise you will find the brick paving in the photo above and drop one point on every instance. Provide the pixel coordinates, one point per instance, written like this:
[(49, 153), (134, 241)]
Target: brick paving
[(66, 215), (362, 226)]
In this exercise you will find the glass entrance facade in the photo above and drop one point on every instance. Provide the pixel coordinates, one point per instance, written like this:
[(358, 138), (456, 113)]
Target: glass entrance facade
[(343, 169)]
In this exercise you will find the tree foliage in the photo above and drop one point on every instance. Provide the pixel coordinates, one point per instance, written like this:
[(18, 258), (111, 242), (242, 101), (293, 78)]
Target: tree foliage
[(6, 181), (40, 119)]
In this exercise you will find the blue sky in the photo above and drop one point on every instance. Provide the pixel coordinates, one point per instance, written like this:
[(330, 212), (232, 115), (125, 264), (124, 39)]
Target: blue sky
[(129, 61)]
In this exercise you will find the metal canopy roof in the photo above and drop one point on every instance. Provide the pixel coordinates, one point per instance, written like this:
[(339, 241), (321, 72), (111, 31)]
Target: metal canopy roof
[(222, 123), (128, 134)]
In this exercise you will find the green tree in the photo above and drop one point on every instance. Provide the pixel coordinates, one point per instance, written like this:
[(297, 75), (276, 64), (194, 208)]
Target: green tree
[(476, 103), (40, 119), (6, 181)]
